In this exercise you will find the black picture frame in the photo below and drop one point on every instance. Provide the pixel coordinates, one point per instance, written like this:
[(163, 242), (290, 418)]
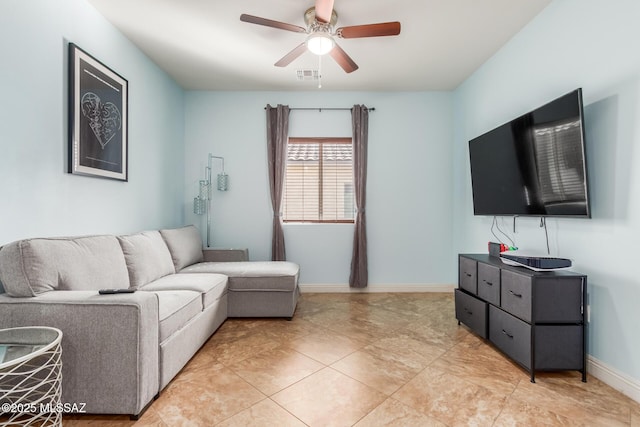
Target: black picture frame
[(98, 118)]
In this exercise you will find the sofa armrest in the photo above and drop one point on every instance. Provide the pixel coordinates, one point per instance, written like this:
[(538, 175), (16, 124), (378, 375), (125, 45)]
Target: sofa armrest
[(109, 345), (225, 255)]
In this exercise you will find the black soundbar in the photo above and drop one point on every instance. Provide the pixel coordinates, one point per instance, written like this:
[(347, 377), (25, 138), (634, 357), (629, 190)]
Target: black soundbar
[(536, 262)]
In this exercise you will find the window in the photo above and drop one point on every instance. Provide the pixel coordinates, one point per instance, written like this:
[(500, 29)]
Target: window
[(319, 180)]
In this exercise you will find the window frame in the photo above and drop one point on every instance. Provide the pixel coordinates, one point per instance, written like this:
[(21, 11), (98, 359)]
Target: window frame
[(321, 141)]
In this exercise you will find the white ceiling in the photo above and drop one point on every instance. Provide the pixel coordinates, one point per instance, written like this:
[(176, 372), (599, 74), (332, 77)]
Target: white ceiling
[(203, 44)]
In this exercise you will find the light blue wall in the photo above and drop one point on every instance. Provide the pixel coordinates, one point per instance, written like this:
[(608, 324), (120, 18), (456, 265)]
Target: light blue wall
[(591, 44), (409, 197), (37, 196)]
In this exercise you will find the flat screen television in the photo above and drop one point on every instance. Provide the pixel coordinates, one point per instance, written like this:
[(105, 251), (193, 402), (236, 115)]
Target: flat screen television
[(534, 165)]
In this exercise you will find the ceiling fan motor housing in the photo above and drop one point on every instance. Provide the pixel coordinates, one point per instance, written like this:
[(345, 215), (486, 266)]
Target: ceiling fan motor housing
[(310, 18)]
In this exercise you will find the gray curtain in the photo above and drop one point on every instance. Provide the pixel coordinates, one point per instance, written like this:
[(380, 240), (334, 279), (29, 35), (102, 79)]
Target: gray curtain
[(360, 123), (277, 134)]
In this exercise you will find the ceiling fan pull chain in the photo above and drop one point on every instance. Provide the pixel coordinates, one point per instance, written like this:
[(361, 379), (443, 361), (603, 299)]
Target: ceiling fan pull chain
[(319, 72)]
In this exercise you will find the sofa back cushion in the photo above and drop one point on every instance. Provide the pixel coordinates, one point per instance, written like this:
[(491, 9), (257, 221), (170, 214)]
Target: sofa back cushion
[(147, 257), (185, 245), (33, 266)]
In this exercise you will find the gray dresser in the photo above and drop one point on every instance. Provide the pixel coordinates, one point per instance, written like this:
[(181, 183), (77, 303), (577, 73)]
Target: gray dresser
[(535, 318)]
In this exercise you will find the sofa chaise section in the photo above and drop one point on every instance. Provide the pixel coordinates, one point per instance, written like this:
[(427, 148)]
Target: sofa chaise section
[(256, 288)]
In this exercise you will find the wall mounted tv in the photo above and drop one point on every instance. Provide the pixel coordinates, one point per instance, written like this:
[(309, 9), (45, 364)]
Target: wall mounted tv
[(534, 165)]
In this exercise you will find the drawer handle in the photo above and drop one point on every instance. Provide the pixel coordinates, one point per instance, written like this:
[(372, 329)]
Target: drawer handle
[(467, 274), (515, 295), (466, 310), (488, 283), (507, 334)]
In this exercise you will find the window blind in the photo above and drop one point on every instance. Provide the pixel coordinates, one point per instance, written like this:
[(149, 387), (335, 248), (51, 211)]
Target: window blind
[(319, 180)]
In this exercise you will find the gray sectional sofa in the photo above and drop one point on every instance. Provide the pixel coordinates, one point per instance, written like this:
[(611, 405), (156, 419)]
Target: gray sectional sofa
[(119, 351)]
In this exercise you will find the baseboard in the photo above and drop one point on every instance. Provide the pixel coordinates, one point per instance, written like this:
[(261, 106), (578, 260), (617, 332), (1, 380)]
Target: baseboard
[(626, 385), (401, 287)]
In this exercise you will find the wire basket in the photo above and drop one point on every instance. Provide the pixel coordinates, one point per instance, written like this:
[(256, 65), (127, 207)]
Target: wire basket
[(31, 376)]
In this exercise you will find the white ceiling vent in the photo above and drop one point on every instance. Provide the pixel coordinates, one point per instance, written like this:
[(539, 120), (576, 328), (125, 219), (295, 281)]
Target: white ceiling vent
[(304, 75)]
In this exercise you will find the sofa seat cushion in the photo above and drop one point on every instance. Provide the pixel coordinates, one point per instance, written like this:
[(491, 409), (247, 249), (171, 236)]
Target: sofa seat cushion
[(211, 286), (185, 245), (33, 266), (273, 276), (176, 309), (147, 257)]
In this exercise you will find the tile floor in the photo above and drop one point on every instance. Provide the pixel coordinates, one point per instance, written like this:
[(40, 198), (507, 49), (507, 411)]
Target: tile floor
[(369, 360)]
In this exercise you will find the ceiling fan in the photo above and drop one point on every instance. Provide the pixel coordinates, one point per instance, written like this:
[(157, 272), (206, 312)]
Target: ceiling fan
[(321, 20)]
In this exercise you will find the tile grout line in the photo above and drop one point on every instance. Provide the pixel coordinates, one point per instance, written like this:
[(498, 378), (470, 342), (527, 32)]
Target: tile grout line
[(506, 401)]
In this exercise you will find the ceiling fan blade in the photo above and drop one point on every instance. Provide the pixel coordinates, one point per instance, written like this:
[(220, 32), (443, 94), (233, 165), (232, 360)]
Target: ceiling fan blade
[(370, 30), (271, 23), (289, 57), (323, 10), (343, 60)]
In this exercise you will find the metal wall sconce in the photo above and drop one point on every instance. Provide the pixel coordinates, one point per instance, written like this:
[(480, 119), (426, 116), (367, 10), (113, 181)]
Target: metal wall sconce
[(202, 202)]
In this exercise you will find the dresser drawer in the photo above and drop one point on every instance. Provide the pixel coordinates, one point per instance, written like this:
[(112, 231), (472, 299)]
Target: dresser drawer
[(472, 312), (558, 300), (558, 347), (515, 294), (489, 283), (511, 335), (468, 274)]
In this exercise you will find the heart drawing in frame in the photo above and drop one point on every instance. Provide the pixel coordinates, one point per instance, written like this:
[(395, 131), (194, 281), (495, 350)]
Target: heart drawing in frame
[(105, 119)]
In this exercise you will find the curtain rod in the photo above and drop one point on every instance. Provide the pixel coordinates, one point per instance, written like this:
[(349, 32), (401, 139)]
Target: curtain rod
[(322, 108)]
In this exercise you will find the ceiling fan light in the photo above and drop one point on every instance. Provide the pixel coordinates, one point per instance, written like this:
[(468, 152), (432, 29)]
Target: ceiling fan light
[(320, 43)]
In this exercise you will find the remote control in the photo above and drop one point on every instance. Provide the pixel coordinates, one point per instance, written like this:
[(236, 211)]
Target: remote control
[(116, 291)]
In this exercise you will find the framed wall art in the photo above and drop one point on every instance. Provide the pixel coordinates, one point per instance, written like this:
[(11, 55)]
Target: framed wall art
[(98, 138)]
